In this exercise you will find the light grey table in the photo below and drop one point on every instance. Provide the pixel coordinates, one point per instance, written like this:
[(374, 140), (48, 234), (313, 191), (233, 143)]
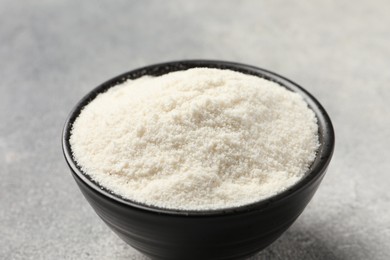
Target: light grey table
[(53, 52)]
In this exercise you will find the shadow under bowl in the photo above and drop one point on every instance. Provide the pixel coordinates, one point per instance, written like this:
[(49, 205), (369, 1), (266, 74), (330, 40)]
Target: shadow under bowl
[(232, 233)]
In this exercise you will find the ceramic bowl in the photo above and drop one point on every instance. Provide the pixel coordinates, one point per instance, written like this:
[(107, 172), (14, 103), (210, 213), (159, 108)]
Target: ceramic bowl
[(231, 233)]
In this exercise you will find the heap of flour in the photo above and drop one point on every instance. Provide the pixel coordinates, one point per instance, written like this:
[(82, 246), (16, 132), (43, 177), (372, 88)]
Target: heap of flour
[(196, 139)]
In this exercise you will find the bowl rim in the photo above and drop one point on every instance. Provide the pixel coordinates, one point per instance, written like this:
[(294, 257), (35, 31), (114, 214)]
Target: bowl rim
[(318, 167)]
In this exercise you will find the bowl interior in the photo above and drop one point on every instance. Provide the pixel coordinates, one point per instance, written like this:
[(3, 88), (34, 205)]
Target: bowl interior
[(325, 133)]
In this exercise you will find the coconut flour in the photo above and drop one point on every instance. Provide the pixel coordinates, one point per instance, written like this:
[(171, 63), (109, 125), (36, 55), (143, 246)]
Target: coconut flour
[(196, 139)]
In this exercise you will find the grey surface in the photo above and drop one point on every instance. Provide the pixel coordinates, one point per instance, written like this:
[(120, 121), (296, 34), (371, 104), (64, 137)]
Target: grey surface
[(53, 52)]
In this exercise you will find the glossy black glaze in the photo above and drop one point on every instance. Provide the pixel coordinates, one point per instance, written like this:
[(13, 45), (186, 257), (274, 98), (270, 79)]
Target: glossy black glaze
[(233, 233)]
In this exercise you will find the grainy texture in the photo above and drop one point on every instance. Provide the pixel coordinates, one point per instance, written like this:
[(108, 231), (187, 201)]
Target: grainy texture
[(53, 52), (196, 139)]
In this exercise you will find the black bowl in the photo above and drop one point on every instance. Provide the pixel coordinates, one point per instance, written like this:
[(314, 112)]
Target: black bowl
[(232, 233)]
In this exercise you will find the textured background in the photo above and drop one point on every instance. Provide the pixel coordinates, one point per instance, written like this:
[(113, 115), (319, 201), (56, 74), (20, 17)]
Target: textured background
[(54, 52)]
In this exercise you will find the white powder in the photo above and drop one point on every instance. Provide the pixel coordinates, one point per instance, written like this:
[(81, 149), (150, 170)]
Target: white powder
[(196, 139)]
